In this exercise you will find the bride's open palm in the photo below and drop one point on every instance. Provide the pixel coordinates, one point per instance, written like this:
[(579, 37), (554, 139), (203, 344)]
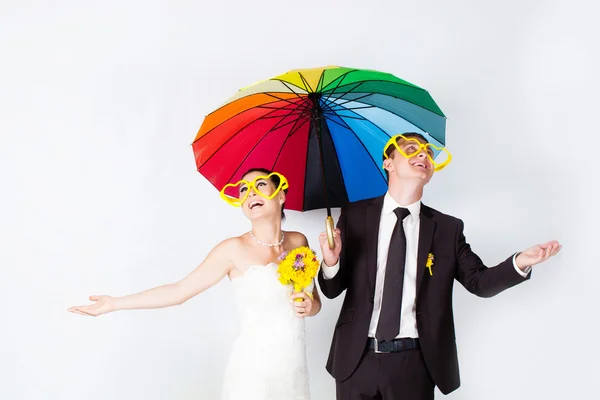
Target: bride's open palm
[(102, 304)]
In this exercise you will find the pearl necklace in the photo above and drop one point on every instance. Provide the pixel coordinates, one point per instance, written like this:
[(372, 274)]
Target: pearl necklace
[(265, 243)]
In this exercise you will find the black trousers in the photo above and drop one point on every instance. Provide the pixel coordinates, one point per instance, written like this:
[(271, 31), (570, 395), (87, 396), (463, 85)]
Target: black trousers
[(391, 376)]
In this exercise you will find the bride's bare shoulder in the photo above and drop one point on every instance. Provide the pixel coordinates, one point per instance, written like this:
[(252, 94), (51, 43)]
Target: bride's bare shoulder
[(229, 250), (296, 239), (232, 243)]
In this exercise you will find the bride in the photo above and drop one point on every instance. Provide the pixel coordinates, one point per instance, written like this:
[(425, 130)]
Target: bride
[(268, 358)]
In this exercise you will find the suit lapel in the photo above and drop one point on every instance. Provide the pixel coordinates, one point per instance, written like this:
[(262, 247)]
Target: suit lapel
[(426, 231), (372, 223)]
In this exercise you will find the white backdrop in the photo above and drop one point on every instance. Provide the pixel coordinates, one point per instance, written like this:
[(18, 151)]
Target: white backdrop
[(99, 104)]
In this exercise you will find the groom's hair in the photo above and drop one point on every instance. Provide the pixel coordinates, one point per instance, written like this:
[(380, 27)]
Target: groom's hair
[(274, 180), (390, 150)]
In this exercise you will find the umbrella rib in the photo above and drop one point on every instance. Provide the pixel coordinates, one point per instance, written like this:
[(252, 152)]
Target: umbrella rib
[(312, 121), (282, 99), (336, 86), (396, 97), (283, 145), (407, 84), (284, 83), (359, 108), (332, 120), (352, 117), (267, 93), (256, 145), (384, 81), (335, 122), (334, 107), (310, 89), (344, 125), (277, 108), (341, 79), (351, 90), (286, 139), (289, 115), (287, 123), (295, 128), (360, 117), (357, 138), (337, 160), (236, 133), (233, 116), (321, 78), (399, 116), (347, 101), (286, 109), (362, 144), (302, 105)]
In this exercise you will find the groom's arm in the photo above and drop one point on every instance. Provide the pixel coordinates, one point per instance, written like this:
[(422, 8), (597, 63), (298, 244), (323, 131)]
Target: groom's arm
[(479, 279), (332, 279)]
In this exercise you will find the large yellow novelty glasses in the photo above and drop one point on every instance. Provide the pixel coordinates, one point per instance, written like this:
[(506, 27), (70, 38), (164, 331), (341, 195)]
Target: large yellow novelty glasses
[(236, 193), (411, 147)]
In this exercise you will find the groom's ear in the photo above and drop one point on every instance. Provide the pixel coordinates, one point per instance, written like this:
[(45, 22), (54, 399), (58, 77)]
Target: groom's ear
[(387, 164)]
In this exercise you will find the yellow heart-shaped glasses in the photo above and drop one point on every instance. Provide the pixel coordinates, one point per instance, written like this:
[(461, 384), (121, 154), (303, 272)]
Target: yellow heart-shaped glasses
[(412, 147), (236, 193)]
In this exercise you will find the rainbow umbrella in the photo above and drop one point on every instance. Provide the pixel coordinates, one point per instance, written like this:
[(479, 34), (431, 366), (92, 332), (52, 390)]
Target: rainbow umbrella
[(323, 128)]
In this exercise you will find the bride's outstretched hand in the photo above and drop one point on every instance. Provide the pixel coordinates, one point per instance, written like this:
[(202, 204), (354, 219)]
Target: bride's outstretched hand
[(102, 305)]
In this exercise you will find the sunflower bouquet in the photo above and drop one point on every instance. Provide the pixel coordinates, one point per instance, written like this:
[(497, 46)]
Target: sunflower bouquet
[(298, 267)]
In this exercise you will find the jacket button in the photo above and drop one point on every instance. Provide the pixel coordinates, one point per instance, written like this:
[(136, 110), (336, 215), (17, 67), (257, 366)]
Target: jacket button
[(371, 300)]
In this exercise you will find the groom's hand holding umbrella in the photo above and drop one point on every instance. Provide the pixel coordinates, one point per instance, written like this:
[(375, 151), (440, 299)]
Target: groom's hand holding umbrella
[(331, 256)]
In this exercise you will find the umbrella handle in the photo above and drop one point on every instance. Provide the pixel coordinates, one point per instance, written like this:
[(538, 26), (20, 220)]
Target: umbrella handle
[(330, 227)]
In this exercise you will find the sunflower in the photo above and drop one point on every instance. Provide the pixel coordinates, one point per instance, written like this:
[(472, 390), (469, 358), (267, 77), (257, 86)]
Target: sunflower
[(298, 267)]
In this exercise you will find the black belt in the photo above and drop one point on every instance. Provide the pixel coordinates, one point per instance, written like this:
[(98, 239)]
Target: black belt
[(394, 345)]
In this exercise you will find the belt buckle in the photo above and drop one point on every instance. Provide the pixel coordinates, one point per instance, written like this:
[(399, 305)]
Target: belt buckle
[(376, 348)]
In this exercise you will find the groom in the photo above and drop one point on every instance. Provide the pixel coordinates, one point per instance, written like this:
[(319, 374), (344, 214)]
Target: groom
[(397, 260)]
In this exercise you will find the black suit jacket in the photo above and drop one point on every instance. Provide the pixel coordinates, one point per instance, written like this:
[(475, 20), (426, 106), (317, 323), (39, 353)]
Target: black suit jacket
[(439, 234)]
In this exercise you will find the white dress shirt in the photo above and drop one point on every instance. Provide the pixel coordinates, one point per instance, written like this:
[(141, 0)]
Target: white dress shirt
[(408, 318)]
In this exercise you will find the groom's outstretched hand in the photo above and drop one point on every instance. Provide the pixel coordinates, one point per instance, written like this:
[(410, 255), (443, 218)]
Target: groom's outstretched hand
[(331, 256), (537, 254)]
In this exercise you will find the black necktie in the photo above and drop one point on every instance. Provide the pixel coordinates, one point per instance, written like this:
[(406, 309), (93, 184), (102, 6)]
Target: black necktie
[(389, 317)]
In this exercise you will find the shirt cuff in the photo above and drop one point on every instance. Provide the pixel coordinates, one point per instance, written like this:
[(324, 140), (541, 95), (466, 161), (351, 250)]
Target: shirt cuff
[(522, 273), (330, 272)]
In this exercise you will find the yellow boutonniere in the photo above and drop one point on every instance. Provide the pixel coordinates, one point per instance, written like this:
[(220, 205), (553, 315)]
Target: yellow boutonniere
[(429, 263)]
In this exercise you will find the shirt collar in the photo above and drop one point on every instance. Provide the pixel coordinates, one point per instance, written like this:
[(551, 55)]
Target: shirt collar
[(389, 205)]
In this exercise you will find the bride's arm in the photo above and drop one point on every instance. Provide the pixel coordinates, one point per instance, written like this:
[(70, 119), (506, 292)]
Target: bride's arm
[(214, 268), (210, 272)]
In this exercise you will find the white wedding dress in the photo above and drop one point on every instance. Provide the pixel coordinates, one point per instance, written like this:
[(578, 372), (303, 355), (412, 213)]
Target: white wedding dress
[(268, 359)]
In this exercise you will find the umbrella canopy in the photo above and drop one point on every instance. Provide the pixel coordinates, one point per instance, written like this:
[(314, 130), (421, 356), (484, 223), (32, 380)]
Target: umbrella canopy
[(324, 129)]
